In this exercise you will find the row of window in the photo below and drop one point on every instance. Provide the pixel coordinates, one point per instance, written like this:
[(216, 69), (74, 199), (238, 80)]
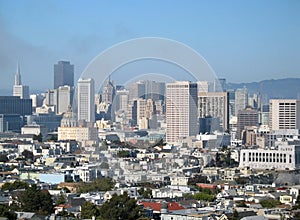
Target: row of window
[(268, 157)]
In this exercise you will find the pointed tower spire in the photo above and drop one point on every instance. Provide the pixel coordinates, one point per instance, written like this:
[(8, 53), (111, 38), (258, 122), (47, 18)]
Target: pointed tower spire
[(18, 76)]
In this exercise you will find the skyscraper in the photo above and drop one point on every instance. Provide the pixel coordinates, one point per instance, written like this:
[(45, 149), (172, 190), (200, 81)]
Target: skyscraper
[(63, 74), (19, 89), (109, 92), (215, 105), (86, 100), (15, 105), (246, 117), (284, 114), (241, 99), (181, 110), (122, 100), (220, 85), (65, 98), (137, 90), (203, 86)]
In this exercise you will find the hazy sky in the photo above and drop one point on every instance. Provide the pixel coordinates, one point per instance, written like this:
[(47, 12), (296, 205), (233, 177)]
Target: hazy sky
[(243, 41)]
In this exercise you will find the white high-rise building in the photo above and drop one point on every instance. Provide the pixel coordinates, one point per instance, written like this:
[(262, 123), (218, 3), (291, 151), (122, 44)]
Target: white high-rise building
[(284, 114), (64, 98), (181, 110), (86, 100), (19, 89)]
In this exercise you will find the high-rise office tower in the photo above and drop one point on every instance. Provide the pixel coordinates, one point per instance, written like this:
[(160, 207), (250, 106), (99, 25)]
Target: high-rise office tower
[(63, 74), (154, 90), (15, 105), (241, 99), (141, 108), (51, 98), (215, 105), (147, 89), (109, 92), (65, 98), (231, 96), (246, 117), (19, 89), (181, 110), (284, 114), (122, 100), (137, 90), (203, 86), (220, 85), (86, 100)]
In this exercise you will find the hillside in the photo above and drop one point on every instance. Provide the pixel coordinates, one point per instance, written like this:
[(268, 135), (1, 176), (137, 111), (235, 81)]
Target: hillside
[(279, 88)]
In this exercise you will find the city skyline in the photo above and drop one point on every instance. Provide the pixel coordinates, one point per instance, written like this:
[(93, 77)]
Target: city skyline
[(242, 42)]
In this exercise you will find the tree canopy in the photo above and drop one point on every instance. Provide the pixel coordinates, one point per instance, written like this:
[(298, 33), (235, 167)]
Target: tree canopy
[(34, 200), (15, 185), (5, 212), (89, 210), (120, 207), (269, 203), (102, 184)]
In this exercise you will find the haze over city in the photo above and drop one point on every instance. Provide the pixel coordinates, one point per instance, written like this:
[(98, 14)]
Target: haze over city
[(242, 41)]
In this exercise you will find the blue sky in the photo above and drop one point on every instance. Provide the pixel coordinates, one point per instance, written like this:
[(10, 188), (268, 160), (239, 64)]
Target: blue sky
[(243, 41)]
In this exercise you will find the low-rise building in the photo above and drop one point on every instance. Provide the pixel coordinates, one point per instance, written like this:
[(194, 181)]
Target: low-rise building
[(285, 157)]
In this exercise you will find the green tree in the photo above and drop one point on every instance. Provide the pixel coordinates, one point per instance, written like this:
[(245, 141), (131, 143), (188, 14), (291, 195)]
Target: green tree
[(38, 137), (3, 158), (192, 181), (120, 207), (103, 146), (28, 155), (102, 184), (5, 212), (60, 200), (123, 153), (15, 185), (88, 210), (204, 196), (35, 200), (146, 194), (269, 203)]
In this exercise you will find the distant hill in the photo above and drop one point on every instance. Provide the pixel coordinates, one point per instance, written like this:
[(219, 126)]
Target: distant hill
[(288, 88)]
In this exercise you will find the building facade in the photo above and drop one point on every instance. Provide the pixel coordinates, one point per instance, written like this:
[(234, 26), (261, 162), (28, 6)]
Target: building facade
[(18, 89), (284, 114), (241, 100), (285, 156), (10, 122), (65, 98), (246, 118), (15, 105), (86, 100), (181, 110), (215, 105), (63, 74)]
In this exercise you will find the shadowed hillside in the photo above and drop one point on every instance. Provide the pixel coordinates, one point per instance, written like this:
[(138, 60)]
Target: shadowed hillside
[(279, 88)]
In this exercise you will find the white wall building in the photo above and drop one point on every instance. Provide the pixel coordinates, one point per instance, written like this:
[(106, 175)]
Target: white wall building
[(86, 100), (284, 114), (64, 99), (181, 110), (284, 157)]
